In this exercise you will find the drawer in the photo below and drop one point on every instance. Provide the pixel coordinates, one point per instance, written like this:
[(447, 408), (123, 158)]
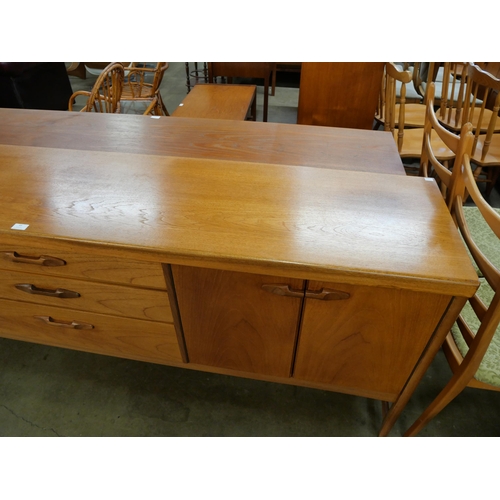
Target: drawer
[(76, 264), (110, 335), (95, 297)]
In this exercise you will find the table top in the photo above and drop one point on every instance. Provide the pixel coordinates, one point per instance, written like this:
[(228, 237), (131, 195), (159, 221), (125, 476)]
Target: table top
[(218, 101), (331, 225), (257, 142)]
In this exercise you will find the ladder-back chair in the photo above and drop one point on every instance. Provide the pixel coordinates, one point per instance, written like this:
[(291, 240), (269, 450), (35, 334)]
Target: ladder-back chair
[(106, 92), (430, 165), (472, 348), (409, 141), (486, 148)]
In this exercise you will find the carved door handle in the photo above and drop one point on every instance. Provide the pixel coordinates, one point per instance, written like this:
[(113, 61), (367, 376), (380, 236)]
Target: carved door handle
[(65, 324), (60, 293), (284, 290), (42, 260), (327, 294)]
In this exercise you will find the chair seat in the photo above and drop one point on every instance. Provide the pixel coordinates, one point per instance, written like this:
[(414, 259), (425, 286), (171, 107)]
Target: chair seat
[(412, 144), (493, 155), (489, 369), (414, 115), (452, 123)]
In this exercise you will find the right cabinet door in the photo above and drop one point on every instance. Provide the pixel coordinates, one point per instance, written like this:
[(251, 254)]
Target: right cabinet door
[(364, 340)]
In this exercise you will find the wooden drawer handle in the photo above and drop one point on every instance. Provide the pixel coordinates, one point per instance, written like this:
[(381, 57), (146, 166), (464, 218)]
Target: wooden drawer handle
[(327, 294), (65, 324), (60, 293), (42, 260), (323, 294), (283, 290)]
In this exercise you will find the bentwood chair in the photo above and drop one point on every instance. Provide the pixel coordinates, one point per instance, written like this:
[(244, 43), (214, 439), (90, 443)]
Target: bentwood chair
[(408, 140), (106, 92), (430, 165), (472, 348), (486, 148), (142, 84)]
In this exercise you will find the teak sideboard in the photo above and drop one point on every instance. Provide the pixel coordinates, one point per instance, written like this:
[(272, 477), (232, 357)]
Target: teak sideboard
[(331, 279)]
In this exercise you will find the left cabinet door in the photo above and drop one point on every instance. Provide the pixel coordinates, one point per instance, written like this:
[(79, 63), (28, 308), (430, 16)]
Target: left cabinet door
[(230, 321)]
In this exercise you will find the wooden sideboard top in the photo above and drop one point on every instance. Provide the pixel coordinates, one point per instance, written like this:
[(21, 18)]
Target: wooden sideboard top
[(277, 143), (291, 221)]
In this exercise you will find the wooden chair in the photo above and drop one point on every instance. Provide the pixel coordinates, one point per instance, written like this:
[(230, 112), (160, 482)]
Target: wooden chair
[(415, 100), (430, 165), (486, 148), (414, 96), (472, 348), (409, 141), (142, 84), (106, 92), (452, 90), (232, 70), (452, 104)]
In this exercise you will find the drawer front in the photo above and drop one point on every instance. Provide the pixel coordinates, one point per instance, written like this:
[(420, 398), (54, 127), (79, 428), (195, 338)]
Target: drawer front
[(86, 296), (97, 333), (76, 264)]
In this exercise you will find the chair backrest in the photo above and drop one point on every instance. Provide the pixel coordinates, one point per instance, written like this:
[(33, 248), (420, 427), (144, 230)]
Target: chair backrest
[(480, 319), (143, 81), (452, 92), (460, 145), (480, 85), (106, 93), (392, 75)]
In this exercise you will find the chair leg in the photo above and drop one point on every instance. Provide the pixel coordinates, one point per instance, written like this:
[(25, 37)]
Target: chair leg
[(454, 387), (162, 107), (492, 178), (385, 408)]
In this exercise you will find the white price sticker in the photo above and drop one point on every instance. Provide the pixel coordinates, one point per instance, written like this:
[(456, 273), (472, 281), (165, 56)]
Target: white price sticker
[(20, 227)]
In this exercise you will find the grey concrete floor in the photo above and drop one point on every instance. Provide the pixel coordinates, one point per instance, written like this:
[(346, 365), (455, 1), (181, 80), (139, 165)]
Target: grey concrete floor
[(47, 391)]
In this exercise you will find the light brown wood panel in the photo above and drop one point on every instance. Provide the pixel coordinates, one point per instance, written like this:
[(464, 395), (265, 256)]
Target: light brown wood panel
[(229, 321), (117, 300), (90, 266), (370, 341), (276, 143), (217, 101), (121, 337), (339, 94), (305, 223)]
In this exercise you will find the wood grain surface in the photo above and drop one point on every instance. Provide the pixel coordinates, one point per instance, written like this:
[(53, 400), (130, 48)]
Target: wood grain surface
[(269, 219), (229, 321), (126, 301), (370, 341), (276, 143), (217, 101), (123, 337)]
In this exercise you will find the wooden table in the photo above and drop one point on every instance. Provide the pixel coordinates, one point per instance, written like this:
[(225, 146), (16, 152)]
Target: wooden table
[(230, 70), (332, 279), (217, 101), (276, 143)]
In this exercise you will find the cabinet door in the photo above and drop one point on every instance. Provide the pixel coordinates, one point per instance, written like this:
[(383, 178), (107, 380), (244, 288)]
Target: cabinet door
[(230, 321), (366, 343)]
